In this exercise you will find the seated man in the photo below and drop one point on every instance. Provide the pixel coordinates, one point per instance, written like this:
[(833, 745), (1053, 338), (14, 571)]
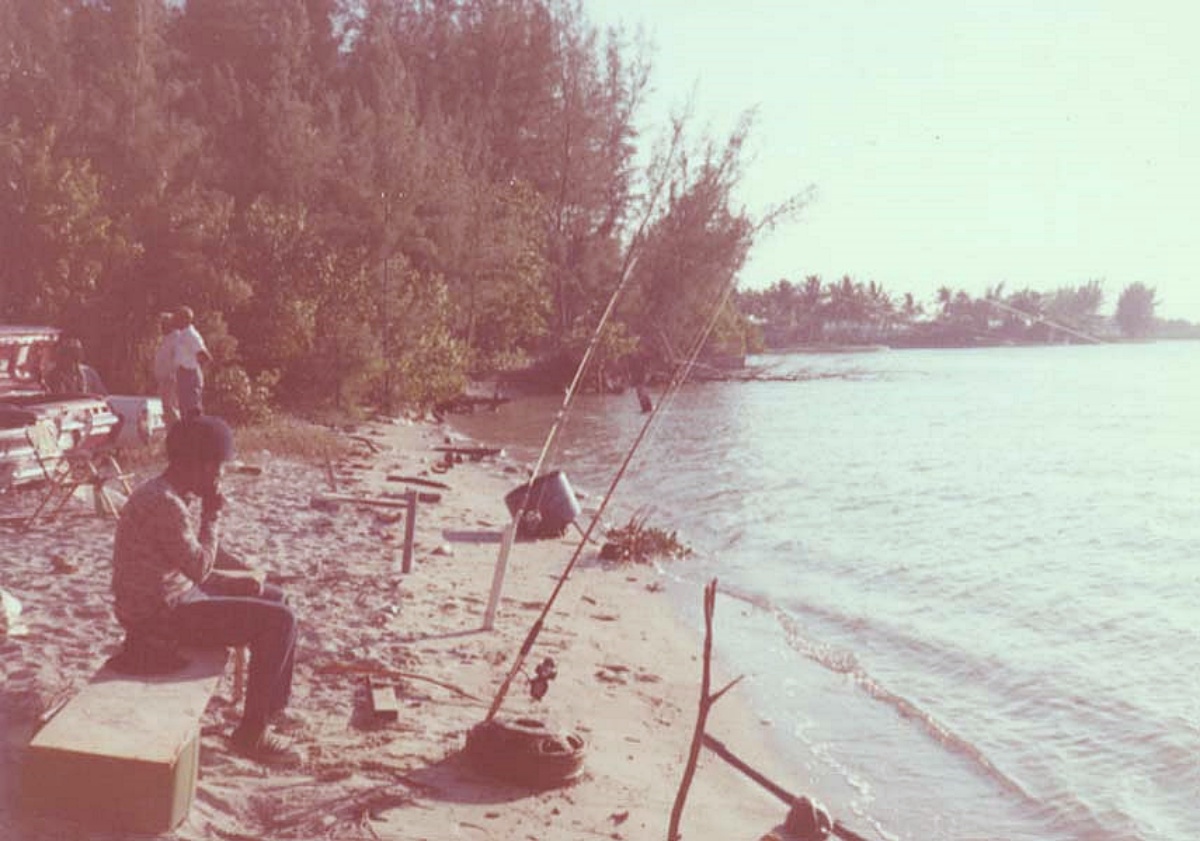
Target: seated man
[(166, 584), (70, 374)]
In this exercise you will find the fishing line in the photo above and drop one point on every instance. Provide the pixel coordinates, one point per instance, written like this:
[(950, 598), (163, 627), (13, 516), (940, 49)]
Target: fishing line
[(678, 376), (560, 416), (1043, 320), (569, 397), (676, 384)]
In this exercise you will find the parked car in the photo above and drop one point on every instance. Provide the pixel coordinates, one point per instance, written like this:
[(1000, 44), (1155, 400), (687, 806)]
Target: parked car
[(81, 421)]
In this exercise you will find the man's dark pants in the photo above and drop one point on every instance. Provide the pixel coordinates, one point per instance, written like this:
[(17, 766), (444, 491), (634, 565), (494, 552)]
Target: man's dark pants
[(189, 383), (264, 623)]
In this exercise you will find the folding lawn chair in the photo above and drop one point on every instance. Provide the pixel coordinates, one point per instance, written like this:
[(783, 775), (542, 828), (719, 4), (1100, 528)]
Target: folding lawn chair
[(65, 471)]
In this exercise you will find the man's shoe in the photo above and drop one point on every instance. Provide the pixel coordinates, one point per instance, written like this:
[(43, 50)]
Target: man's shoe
[(267, 749)]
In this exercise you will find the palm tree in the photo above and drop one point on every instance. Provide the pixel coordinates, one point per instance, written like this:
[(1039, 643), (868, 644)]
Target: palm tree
[(944, 297), (812, 302)]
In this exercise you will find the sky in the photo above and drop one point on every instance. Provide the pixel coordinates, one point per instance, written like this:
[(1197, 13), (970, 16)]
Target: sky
[(1035, 143)]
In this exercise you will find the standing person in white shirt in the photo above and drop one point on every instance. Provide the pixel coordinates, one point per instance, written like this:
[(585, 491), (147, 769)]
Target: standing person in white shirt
[(164, 368), (191, 355)]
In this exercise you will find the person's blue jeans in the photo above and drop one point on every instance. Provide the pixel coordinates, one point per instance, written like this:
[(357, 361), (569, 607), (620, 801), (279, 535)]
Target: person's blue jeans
[(264, 623)]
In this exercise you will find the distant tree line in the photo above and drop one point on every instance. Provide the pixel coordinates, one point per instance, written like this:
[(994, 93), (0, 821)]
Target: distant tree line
[(363, 200), (847, 311)]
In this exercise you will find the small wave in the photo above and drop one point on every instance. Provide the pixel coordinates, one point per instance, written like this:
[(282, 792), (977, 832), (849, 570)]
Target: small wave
[(1063, 809), (846, 663), (1066, 812), (841, 661)]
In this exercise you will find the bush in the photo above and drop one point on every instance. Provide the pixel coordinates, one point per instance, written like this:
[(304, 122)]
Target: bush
[(233, 395)]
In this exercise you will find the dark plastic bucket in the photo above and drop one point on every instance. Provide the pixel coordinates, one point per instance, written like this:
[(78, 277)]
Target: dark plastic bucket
[(552, 506)]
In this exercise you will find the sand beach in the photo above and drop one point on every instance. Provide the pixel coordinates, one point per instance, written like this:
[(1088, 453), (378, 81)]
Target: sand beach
[(628, 670)]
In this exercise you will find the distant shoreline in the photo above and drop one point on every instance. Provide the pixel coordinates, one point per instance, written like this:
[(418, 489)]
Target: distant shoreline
[(948, 345)]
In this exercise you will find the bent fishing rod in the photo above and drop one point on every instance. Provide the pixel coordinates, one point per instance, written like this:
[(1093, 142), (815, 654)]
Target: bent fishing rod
[(679, 376), (626, 273), (559, 419)]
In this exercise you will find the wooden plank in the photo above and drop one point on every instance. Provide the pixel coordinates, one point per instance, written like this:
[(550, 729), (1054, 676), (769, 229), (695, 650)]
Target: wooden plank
[(362, 500), (475, 453), (124, 752), (489, 616), (331, 501), (136, 717), (410, 525), (384, 705), (417, 480), (330, 475), (465, 536)]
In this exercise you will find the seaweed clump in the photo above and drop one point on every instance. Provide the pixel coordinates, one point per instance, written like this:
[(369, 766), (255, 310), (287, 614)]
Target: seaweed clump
[(638, 543)]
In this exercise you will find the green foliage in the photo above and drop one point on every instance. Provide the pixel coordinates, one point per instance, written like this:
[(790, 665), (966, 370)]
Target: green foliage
[(693, 248), (852, 312), (57, 236), (287, 267), (1135, 310), (635, 542), (361, 202), (690, 257), (505, 303), (425, 363), (345, 358), (232, 394), (613, 347)]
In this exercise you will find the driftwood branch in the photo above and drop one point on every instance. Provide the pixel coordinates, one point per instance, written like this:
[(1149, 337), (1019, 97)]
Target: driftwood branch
[(716, 696), (370, 445), (707, 699), (718, 747), (701, 739)]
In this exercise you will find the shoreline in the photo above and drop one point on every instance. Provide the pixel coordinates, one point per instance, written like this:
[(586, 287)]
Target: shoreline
[(628, 669)]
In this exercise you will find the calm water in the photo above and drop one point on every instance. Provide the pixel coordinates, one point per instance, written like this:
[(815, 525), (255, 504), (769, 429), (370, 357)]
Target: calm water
[(965, 584)]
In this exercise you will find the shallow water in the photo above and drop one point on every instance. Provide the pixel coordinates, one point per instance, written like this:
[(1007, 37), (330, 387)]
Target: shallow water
[(963, 584)]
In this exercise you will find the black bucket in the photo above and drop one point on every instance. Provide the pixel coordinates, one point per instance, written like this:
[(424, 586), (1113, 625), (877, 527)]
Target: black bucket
[(551, 507)]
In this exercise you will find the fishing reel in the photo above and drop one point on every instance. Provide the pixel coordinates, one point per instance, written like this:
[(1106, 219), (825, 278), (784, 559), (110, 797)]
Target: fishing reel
[(545, 672)]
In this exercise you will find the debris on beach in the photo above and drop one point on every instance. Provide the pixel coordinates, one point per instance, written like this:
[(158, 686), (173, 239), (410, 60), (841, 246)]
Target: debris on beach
[(10, 616)]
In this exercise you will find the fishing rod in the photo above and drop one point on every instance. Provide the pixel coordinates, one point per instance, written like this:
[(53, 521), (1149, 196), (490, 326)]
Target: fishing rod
[(697, 347), (679, 376), (569, 396), (1039, 319)]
